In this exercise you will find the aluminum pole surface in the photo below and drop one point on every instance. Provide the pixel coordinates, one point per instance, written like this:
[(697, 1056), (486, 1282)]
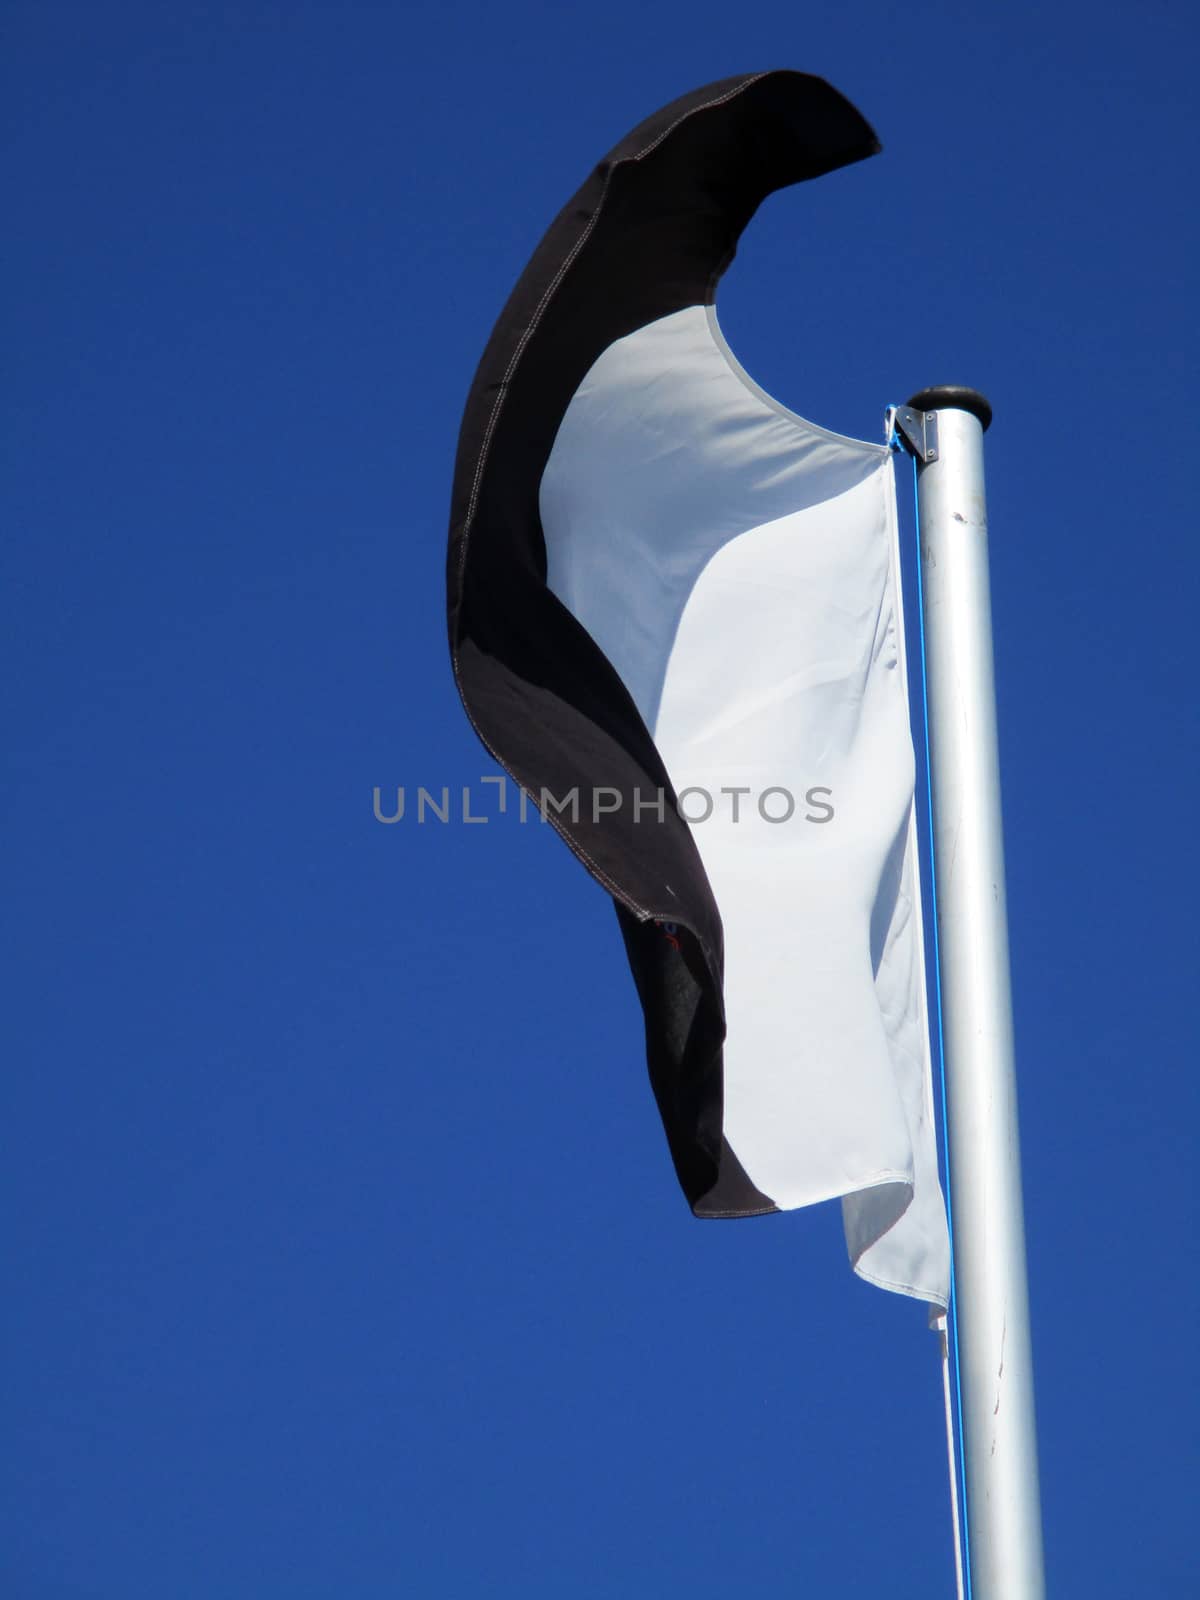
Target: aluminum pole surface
[(995, 1358)]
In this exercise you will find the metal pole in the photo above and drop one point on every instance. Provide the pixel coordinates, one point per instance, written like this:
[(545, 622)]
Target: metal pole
[(995, 1359)]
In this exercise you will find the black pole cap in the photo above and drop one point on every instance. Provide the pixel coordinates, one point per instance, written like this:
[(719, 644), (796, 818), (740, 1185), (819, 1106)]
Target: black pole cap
[(946, 396)]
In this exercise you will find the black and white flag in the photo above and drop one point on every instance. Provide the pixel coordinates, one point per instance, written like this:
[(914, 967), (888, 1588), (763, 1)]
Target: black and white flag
[(675, 619)]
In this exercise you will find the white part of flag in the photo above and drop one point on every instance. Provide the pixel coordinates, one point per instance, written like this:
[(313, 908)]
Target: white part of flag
[(739, 567)]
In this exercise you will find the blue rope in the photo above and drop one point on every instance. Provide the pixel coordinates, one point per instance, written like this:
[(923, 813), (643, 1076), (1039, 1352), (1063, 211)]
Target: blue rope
[(952, 1309)]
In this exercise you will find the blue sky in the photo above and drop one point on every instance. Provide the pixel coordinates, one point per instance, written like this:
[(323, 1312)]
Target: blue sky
[(344, 1255)]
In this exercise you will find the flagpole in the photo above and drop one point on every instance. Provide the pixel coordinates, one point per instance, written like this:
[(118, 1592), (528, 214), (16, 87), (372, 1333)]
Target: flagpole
[(944, 429)]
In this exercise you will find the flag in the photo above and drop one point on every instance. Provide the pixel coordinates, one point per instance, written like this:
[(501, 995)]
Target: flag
[(675, 620)]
